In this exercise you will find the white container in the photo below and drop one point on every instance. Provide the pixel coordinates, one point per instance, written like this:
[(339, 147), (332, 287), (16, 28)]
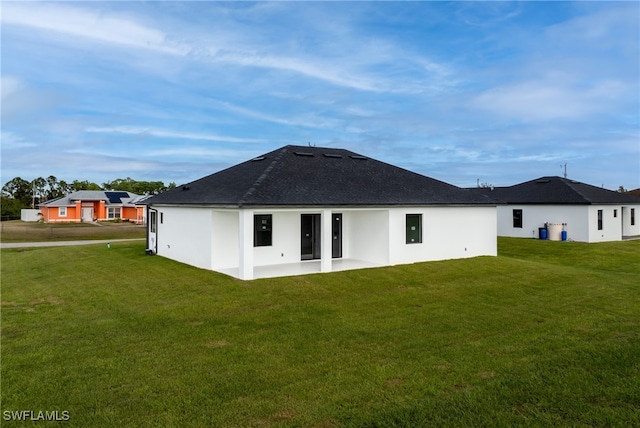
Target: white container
[(555, 231)]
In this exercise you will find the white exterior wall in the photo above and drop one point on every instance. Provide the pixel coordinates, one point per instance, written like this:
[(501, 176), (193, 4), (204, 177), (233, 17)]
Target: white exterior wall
[(581, 221), (184, 234), (611, 227), (365, 235), (285, 246), (447, 233), (535, 216), (627, 228), (211, 238), (224, 239)]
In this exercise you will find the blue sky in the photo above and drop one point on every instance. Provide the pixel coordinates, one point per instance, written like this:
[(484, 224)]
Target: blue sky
[(499, 92)]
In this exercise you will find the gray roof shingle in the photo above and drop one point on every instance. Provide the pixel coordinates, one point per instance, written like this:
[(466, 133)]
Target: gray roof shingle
[(557, 191), (316, 176), (110, 198)]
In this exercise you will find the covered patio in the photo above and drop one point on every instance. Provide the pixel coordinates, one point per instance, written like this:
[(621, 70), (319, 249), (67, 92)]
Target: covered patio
[(303, 267)]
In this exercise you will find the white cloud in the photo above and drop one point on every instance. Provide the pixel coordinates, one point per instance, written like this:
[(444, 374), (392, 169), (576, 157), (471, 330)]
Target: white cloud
[(201, 152), (350, 63), (309, 120), (547, 100), (83, 23), (10, 85), (10, 140), (321, 70), (161, 133)]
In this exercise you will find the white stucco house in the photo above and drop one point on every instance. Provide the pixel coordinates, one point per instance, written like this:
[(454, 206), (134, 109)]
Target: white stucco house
[(586, 213), (304, 209)]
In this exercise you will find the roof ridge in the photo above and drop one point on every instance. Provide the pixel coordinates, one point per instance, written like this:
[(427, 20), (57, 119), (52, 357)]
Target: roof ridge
[(262, 177), (570, 183)]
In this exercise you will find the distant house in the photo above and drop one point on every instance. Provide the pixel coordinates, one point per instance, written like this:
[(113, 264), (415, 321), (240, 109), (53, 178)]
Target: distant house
[(586, 213), (94, 205), (309, 209)]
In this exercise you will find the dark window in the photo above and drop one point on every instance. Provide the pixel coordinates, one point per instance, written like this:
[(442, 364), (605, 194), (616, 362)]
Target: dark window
[(615, 213), (517, 218), (161, 218), (633, 216), (599, 219), (414, 228), (262, 230)]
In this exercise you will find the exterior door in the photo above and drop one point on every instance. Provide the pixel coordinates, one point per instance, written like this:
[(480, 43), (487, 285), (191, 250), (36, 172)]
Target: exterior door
[(87, 214), (310, 236), (336, 236)]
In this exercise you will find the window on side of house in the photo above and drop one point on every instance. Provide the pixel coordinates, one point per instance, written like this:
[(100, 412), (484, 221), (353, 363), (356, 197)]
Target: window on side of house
[(599, 219), (152, 221), (262, 230), (414, 228), (633, 216), (62, 211), (615, 213), (113, 212), (517, 219)]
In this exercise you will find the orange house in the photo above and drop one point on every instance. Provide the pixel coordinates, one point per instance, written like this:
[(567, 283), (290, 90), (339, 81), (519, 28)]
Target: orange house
[(94, 205)]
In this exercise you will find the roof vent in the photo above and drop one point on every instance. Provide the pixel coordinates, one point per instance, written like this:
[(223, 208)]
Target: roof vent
[(259, 158), (303, 154), (543, 181), (332, 155), (185, 187), (358, 157)]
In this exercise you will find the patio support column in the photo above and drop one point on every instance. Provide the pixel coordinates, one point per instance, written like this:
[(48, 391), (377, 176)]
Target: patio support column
[(245, 243), (326, 244)]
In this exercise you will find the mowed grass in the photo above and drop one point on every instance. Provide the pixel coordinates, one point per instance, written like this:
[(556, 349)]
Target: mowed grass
[(20, 231), (546, 334)]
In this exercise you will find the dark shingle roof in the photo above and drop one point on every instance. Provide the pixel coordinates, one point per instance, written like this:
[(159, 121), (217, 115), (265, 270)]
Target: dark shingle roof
[(557, 190), (315, 176)]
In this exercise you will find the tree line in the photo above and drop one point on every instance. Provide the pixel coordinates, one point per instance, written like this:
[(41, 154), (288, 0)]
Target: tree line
[(18, 193)]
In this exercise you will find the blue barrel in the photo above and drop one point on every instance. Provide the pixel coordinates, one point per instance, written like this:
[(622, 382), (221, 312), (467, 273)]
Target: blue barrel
[(543, 233), (564, 235)]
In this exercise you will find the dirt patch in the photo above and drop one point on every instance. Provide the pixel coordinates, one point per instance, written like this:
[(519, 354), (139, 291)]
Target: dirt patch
[(394, 383), (283, 415), (217, 344), (53, 300), (487, 375)]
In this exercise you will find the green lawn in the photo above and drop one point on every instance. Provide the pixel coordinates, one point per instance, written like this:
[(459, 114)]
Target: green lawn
[(546, 334), (20, 231)]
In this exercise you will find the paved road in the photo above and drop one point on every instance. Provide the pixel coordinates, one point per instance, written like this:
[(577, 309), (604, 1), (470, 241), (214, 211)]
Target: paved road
[(63, 243)]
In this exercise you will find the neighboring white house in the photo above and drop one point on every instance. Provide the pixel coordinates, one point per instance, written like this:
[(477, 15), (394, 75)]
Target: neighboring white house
[(309, 209), (586, 213)]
